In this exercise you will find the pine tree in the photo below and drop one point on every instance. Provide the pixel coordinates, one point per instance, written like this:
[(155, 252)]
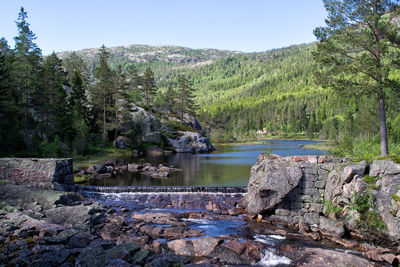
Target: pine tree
[(149, 87), (75, 63), (9, 125), (103, 91), (357, 49), (47, 99), (26, 66), (185, 98), (135, 83)]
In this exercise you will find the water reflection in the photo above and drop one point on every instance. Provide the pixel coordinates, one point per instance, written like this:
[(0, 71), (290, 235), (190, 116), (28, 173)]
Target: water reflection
[(229, 165)]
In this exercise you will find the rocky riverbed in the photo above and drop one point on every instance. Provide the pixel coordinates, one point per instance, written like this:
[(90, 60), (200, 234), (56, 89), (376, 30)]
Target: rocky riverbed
[(48, 228)]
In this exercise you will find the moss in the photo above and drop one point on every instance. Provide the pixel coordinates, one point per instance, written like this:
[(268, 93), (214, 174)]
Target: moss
[(81, 179)]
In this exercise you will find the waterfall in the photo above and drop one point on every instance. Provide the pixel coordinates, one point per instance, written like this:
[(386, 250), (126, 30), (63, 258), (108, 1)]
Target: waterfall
[(165, 189)]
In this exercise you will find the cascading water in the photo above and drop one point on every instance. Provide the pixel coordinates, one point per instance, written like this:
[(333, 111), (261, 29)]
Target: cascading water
[(165, 189)]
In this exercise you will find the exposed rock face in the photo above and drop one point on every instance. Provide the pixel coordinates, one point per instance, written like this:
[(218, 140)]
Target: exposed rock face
[(153, 129), (326, 191), (41, 173), (270, 181), (122, 142), (190, 142), (151, 125)]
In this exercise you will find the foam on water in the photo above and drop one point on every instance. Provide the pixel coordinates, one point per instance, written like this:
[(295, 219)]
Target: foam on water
[(269, 239), (271, 259), (279, 237)]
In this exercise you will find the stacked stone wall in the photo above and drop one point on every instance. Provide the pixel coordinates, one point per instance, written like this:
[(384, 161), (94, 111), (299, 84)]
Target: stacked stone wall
[(306, 201), (54, 174)]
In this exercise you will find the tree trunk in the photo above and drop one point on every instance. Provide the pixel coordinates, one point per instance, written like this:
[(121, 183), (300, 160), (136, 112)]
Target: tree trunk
[(104, 116), (382, 121)]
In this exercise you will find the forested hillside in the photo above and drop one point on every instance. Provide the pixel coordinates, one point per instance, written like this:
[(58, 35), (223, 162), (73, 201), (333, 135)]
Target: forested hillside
[(275, 91)]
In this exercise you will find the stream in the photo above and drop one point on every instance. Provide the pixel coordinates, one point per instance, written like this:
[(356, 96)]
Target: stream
[(228, 166)]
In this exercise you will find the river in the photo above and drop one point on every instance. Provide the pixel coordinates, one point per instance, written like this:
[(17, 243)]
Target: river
[(229, 165)]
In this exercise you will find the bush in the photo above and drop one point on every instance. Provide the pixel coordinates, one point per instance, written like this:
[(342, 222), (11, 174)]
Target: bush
[(369, 218), (51, 149)]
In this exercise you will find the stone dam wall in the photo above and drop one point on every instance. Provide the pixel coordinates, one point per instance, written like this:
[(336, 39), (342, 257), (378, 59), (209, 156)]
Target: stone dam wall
[(323, 190), (54, 174)]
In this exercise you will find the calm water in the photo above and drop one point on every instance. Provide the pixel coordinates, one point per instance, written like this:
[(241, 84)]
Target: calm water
[(229, 165)]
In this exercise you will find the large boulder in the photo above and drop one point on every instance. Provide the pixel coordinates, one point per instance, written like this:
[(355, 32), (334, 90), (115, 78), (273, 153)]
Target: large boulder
[(388, 185), (191, 142), (271, 179), (122, 142)]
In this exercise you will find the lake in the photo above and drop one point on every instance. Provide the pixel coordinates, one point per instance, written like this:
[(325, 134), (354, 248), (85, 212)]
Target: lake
[(228, 165)]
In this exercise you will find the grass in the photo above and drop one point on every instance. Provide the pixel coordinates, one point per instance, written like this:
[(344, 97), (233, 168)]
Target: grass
[(99, 155), (327, 146)]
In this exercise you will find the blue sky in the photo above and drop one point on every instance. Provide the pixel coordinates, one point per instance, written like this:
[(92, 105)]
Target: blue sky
[(244, 25)]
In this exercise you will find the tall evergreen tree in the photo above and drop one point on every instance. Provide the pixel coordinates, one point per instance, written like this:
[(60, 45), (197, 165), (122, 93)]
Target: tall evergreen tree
[(358, 48), (135, 82), (26, 66), (185, 97), (103, 91), (149, 87), (9, 126), (78, 99), (46, 99), (75, 63)]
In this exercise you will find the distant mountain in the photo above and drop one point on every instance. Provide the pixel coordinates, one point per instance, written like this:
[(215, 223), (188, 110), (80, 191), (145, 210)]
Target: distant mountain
[(239, 93), (150, 54)]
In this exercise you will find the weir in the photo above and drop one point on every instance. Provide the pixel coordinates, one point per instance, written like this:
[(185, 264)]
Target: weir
[(165, 189)]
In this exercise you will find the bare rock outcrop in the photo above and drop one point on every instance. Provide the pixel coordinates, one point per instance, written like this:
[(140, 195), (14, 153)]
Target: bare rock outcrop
[(271, 179)]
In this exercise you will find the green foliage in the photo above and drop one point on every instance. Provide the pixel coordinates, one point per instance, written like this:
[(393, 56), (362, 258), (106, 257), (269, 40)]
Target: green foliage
[(331, 207), (357, 50), (364, 149), (396, 197), (369, 217), (81, 179), (51, 149)]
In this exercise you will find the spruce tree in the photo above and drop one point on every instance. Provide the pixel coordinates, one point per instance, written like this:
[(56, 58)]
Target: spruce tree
[(47, 99), (75, 63), (149, 87), (358, 48), (135, 83), (185, 98), (26, 68), (9, 109), (103, 92)]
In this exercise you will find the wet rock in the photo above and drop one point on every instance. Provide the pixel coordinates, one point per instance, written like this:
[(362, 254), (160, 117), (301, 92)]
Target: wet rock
[(204, 246), (325, 257), (154, 150), (93, 255), (112, 228), (182, 247), (271, 179), (124, 251), (166, 259), (157, 218), (139, 240), (80, 240), (331, 227), (118, 263), (181, 232), (134, 167), (226, 255), (77, 216)]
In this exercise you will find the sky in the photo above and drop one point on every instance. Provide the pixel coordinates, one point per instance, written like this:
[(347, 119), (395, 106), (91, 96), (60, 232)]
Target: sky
[(242, 25)]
